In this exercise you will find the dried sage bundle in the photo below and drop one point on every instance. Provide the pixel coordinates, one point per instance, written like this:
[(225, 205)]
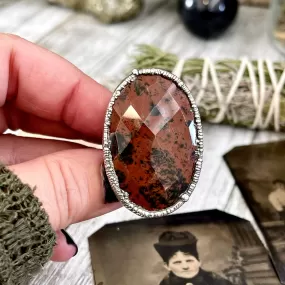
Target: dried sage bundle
[(237, 92)]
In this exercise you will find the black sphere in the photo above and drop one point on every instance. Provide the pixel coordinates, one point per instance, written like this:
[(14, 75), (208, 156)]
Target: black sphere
[(208, 18)]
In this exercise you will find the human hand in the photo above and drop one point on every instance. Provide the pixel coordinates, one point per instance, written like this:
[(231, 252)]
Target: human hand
[(277, 199), (42, 93)]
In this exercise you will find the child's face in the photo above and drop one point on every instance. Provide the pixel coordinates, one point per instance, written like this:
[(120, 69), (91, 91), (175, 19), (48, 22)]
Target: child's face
[(183, 265)]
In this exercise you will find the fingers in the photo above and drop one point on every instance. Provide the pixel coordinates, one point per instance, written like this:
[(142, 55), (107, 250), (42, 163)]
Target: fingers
[(43, 84), (65, 247), (19, 120), (3, 123), (69, 184), (15, 150)]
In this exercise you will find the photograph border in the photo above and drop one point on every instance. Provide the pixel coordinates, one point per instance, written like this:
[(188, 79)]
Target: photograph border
[(214, 216), (273, 255)]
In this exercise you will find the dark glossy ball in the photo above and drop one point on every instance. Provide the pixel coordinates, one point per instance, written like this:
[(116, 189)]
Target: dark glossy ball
[(208, 18)]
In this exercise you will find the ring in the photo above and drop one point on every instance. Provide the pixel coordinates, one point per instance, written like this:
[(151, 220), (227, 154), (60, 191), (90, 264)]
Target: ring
[(152, 143)]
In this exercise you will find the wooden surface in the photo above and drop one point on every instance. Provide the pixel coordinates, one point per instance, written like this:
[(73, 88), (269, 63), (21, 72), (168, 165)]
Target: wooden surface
[(102, 51)]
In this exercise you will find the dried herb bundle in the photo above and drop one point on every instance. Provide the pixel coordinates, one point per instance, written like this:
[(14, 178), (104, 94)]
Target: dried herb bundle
[(238, 92)]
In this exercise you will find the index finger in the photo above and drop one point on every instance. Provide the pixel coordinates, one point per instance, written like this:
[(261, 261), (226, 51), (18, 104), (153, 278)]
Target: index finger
[(45, 85)]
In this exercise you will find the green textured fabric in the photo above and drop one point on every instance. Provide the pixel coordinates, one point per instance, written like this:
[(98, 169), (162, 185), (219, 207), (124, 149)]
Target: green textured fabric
[(26, 236)]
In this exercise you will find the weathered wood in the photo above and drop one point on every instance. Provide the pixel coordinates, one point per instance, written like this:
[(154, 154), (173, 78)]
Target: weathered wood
[(102, 51), (43, 23), (14, 15), (258, 3)]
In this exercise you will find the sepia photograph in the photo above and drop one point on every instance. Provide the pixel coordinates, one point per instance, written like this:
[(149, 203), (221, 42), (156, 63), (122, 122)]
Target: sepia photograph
[(201, 248), (259, 172)]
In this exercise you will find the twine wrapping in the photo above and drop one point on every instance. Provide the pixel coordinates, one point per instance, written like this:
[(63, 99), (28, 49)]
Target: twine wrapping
[(237, 92)]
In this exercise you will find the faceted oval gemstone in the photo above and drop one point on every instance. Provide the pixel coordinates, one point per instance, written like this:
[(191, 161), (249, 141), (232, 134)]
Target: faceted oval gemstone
[(153, 141)]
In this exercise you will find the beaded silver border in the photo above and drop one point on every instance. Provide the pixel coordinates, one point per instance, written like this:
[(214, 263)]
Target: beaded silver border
[(123, 196)]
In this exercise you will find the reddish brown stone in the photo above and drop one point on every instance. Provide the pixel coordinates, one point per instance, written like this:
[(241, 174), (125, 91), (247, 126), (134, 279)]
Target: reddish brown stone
[(152, 149)]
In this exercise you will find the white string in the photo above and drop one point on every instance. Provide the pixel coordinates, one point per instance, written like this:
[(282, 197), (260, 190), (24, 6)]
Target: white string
[(274, 110), (258, 90), (178, 69), (223, 108), (204, 81), (254, 87), (258, 122), (216, 82), (273, 79)]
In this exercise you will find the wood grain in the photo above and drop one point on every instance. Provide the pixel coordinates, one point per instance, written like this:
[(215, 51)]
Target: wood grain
[(257, 3), (102, 51)]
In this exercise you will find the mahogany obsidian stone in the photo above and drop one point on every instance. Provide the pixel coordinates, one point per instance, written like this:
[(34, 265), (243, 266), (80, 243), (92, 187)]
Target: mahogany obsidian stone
[(208, 18), (153, 141)]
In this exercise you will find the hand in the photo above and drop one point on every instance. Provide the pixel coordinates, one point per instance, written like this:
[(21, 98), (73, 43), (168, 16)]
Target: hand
[(277, 199), (42, 93)]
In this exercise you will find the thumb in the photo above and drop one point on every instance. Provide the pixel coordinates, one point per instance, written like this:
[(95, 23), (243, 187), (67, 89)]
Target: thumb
[(69, 185)]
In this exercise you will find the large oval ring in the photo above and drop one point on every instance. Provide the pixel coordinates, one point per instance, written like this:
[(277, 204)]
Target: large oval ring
[(152, 143)]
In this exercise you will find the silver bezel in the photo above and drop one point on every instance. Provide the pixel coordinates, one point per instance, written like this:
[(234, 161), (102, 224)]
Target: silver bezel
[(108, 162)]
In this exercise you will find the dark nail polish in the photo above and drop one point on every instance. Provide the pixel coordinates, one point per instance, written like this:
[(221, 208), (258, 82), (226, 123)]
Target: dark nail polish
[(70, 241), (110, 196)]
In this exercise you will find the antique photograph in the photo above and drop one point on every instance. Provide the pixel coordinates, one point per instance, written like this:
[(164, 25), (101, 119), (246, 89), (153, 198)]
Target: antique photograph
[(259, 173), (202, 248)]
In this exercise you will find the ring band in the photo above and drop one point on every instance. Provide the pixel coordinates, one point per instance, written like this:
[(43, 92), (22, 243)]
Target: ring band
[(152, 143)]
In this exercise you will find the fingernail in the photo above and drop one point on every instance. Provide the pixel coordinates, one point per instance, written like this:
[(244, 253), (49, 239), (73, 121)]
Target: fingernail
[(110, 196), (70, 241)]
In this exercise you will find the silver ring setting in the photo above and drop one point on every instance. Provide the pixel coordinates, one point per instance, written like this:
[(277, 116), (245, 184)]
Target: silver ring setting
[(195, 133)]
